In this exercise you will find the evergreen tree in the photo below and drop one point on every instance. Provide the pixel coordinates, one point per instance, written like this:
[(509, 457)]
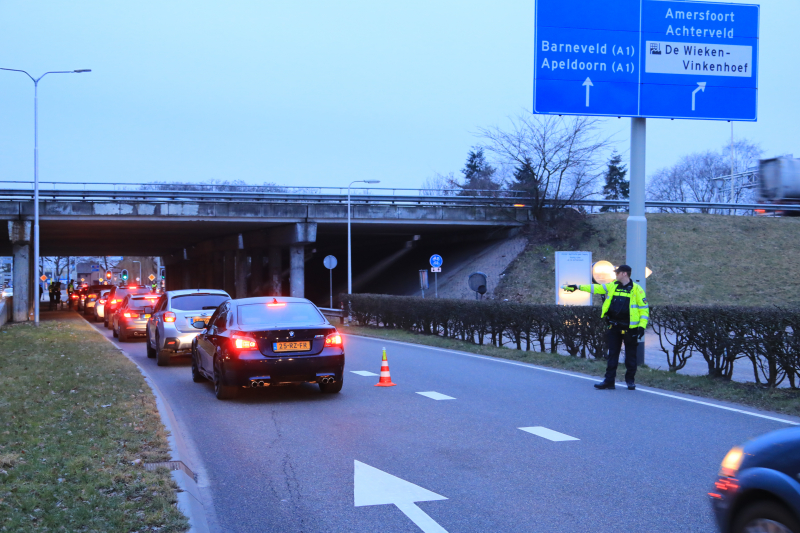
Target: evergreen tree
[(616, 187), (478, 173)]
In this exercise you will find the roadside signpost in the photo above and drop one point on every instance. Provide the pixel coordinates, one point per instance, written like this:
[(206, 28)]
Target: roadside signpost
[(151, 277), (436, 267), (573, 268), (330, 263), (646, 58), (423, 281), (478, 281)]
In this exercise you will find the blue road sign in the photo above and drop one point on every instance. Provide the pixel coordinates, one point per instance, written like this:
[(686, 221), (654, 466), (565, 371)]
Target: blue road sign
[(436, 261), (646, 58)]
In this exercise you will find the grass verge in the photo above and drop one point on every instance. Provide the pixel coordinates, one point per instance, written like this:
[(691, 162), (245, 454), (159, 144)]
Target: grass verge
[(77, 422), (784, 401)]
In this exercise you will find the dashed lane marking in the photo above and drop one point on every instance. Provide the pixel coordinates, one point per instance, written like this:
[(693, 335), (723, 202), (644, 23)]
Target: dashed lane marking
[(548, 434), (363, 372), (573, 375), (436, 395)]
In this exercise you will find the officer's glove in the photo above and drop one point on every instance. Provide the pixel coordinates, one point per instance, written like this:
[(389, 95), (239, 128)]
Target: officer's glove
[(571, 288), (640, 333)]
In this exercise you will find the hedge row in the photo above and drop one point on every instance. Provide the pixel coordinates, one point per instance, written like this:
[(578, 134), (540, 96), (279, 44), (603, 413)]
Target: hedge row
[(723, 336)]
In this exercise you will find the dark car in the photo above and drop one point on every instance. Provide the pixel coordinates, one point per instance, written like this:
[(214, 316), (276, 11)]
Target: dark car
[(758, 489), (266, 341), (130, 320), (81, 297), (115, 297), (89, 297)]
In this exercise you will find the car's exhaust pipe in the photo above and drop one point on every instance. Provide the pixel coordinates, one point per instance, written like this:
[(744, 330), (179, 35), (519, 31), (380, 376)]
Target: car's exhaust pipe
[(255, 383), (327, 379)]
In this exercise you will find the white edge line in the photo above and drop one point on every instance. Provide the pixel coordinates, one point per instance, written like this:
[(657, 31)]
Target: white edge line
[(543, 369), (192, 507)]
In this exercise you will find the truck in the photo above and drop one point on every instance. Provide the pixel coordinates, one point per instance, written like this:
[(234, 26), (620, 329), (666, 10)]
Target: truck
[(779, 183)]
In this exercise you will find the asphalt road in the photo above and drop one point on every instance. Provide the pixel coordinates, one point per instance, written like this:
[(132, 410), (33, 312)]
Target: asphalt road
[(282, 459)]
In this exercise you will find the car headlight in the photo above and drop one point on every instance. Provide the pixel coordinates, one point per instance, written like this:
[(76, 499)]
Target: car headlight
[(732, 462)]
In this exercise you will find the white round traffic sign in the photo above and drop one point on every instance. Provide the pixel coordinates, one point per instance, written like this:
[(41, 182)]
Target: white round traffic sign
[(329, 262)]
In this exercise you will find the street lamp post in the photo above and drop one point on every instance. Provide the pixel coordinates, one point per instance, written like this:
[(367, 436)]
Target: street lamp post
[(36, 173), (349, 242)]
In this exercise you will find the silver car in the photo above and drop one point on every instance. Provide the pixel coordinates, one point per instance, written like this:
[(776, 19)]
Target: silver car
[(100, 306), (170, 330)]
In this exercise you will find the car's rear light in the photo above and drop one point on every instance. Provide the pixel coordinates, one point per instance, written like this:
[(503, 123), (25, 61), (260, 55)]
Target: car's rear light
[(130, 314), (132, 287), (732, 462), (276, 303), (75, 296), (102, 302), (169, 316), (244, 342), (115, 302), (334, 339)]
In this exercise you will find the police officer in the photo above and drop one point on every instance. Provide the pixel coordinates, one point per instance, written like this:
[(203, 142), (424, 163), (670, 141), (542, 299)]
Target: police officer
[(70, 290), (626, 312)]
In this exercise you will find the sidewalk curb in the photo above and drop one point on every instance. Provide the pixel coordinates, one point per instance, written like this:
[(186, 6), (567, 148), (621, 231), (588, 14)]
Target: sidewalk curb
[(189, 500)]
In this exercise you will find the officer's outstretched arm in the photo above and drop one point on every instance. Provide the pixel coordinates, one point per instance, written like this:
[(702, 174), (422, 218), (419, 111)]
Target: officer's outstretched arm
[(594, 288)]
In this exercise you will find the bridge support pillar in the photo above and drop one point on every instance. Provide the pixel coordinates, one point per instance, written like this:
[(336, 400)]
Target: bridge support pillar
[(229, 273), (217, 269), (275, 271), (186, 275), (19, 233), (256, 273), (297, 265), (207, 271), (241, 274)]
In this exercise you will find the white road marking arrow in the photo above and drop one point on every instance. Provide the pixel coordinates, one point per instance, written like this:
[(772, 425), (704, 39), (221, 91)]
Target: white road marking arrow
[(588, 83), (375, 487), (702, 87)]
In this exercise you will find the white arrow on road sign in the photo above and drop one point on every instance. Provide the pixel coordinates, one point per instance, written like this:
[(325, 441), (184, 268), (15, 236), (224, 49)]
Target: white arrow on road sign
[(702, 87), (375, 487), (588, 83)]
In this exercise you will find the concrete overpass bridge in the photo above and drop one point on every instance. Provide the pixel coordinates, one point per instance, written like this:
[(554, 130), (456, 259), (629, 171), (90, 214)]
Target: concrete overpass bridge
[(245, 240)]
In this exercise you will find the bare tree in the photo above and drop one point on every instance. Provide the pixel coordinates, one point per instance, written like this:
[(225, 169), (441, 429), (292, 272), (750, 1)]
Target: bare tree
[(215, 185), (691, 179), (440, 185), (553, 160)]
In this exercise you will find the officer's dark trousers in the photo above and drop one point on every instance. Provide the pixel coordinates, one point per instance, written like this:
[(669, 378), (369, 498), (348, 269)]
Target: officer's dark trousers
[(615, 337)]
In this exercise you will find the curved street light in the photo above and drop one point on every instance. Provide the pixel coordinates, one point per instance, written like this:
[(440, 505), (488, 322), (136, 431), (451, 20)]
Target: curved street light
[(349, 242), (36, 81)]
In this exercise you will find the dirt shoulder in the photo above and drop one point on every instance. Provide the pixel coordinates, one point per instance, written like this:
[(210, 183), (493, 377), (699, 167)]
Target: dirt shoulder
[(77, 425)]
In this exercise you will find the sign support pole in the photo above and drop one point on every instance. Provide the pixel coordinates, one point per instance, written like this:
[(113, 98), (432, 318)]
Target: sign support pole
[(436, 283), (636, 253)]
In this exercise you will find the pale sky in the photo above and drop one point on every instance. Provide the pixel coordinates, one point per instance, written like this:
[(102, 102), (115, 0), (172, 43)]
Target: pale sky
[(306, 93)]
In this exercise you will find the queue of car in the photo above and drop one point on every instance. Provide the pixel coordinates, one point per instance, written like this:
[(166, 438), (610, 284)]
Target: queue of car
[(244, 343)]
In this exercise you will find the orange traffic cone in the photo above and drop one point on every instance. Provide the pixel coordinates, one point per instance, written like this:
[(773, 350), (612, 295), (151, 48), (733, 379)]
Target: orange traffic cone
[(386, 379)]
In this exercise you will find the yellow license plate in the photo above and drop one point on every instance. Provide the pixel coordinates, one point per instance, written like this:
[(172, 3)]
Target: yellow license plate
[(291, 346), (147, 316)]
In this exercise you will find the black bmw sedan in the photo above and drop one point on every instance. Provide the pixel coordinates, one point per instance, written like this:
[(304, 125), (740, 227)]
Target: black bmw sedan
[(758, 488), (266, 342)]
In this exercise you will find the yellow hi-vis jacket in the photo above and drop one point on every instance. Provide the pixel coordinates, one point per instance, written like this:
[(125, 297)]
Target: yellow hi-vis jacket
[(639, 309)]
